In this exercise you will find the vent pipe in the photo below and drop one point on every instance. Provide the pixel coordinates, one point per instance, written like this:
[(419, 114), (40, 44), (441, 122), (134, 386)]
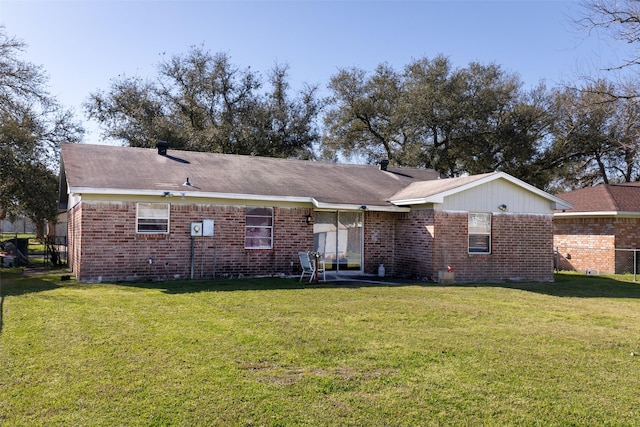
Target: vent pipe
[(162, 147)]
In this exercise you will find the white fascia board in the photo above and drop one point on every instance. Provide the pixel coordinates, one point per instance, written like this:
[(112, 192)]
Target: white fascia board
[(352, 207), (235, 196), (598, 214), (436, 198)]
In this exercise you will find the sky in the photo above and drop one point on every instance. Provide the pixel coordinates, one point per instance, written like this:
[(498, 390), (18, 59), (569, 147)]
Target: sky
[(82, 45)]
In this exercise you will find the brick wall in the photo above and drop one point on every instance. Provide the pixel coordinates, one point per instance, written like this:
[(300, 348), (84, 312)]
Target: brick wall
[(379, 238), (74, 234), (104, 245), (521, 247), (589, 243), (110, 248), (627, 233), (450, 246), (414, 244), (585, 244)]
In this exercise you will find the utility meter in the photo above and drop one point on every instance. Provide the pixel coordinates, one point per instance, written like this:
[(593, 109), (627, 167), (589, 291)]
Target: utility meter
[(196, 229), (207, 227)]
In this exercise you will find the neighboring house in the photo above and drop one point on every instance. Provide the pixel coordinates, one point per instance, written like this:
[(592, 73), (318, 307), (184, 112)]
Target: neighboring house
[(599, 234), (138, 213)]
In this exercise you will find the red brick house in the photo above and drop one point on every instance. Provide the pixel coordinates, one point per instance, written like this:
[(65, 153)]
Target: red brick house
[(600, 232), (138, 213)]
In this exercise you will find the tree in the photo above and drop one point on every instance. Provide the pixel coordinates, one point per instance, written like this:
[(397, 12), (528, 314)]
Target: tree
[(366, 121), (201, 102), (32, 126), (503, 127), (596, 136), (620, 19), (433, 104), (456, 121), (284, 126)]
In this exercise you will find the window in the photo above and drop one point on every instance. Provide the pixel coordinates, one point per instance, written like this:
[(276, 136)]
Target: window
[(152, 218), (259, 228), (480, 233)]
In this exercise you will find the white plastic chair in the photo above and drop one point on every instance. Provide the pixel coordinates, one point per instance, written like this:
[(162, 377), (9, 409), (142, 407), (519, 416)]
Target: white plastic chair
[(309, 267)]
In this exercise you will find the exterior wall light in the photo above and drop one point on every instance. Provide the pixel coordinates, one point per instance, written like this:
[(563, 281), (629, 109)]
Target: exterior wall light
[(503, 207), (308, 219)]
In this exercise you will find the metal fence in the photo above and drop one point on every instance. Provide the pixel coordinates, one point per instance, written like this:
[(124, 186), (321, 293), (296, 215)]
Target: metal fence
[(594, 261), (627, 262), (56, 250)]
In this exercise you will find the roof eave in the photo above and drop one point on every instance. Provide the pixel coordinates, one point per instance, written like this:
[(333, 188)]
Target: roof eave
[(597, 214), (237, 196), (437, 198)]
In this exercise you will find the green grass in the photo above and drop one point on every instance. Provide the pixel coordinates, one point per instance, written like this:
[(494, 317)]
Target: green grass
[(271, 352)]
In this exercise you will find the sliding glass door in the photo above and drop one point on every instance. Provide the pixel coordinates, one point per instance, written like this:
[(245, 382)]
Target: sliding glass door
[(339, 237)]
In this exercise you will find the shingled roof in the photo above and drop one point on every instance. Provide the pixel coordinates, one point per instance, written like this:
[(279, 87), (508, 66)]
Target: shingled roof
[(421, 192), (104, 169), (607, 199)]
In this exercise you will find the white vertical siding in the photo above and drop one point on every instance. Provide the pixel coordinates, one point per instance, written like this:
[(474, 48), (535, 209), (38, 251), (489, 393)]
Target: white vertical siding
[(487, 198)]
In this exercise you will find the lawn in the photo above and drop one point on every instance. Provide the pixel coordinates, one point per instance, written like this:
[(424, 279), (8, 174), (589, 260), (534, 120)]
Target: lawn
[(265, 352)]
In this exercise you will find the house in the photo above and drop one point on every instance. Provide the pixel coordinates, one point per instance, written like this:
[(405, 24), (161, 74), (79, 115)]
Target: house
[(602, 230), (137, 213)]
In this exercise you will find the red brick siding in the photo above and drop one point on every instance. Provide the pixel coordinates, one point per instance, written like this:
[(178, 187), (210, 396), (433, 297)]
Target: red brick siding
[(379, 238), (74, 233), (450, 245), (521, 247), (111, 249), (590, 243), (414, 244), (627, 232), (104, 245)]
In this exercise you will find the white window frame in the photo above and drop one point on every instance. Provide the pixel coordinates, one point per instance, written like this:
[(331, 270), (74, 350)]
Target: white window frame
[(479, 229), (258, 228), (159, 218)]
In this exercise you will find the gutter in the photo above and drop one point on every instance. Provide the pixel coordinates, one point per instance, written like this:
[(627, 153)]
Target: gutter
[(235, 196), (596, 214)]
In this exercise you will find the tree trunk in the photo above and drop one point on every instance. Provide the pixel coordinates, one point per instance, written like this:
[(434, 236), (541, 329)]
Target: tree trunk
[(40, 230)]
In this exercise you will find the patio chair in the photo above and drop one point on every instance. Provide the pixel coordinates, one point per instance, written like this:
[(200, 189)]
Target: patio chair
[(308, 266)]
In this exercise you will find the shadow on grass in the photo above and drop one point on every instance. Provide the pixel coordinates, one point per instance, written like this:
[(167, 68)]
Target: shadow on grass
[(576, 286), (15, 284), (263, 283)]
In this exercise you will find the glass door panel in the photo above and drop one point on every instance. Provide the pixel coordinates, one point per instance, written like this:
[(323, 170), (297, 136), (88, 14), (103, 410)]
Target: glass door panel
[(338, 236), (350, 240)]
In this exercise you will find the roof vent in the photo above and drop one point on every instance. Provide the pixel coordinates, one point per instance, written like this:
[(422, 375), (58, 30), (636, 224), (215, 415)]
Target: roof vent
[(383, 164), (162, 147)]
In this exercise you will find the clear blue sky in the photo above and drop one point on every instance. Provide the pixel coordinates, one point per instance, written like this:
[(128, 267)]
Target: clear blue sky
[(82, 45)]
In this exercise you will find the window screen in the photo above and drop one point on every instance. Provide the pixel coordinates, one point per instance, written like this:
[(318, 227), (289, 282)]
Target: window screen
[(259, 228), (480, 233), (152, 218)]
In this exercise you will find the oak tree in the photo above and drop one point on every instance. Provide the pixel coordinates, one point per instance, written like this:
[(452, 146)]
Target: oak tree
[(202, 102), (32, 127)]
